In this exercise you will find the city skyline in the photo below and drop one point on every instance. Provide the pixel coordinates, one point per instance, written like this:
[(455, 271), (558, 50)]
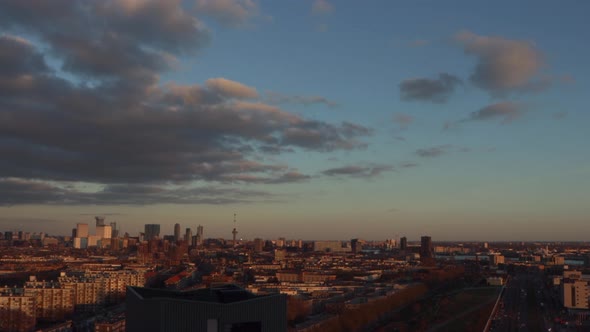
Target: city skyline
[(316, 119)]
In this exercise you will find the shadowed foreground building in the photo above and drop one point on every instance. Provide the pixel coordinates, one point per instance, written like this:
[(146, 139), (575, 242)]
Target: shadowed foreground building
[(222, 309)]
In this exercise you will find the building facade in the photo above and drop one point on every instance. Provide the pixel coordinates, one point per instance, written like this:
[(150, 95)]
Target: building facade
[(222, 309)]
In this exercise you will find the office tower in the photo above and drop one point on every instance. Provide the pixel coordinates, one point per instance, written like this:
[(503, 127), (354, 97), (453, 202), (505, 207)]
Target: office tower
[(99, 221), (114, 230), (403, 243), (74, 232), (426, 251), (200, 235), (151, 231), (258, 244), (177, 232), (226, 308), (81, 230), (354, 243), (104, 232), (234, 232), (188, 236)]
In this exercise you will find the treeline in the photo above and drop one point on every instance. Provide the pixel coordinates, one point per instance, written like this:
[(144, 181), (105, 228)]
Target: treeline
[(355, 319)]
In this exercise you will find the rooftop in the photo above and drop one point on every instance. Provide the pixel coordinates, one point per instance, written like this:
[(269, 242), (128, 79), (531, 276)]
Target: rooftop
[(221, 294)]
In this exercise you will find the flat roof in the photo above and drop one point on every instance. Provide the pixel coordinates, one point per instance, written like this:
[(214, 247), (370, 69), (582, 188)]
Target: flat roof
[(221, 294)]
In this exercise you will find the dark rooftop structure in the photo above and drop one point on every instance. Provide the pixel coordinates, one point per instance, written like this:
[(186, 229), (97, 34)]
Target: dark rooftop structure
[(217, 309)]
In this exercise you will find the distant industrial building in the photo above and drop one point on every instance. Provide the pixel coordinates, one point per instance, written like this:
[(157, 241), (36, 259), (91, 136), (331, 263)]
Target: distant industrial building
[(221, 309)]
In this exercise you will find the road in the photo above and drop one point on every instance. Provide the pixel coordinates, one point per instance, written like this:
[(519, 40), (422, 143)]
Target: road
[(526, 306)]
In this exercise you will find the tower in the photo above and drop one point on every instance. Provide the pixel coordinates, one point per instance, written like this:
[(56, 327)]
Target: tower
[(426, 251), (403, 243), (151, 231), (234, 232), (188, 236), (199, 235), (81, 230), (177, 232)]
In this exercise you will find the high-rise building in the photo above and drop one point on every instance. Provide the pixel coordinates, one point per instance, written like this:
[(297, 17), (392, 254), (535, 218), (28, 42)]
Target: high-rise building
[(151, 231), (81, 230), (177, 232), (354, 244), (258, 244), (200, 235), (114, 230), (188, 236), (226, 308), (99, 221), (403, 243), (426, 250)]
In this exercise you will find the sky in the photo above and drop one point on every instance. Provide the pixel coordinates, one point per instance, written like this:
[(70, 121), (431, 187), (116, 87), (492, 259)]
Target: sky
[(308, 119)]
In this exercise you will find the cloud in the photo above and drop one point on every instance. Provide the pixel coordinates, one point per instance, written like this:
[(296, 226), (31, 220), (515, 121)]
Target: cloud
[(231, 13), (99, 114), (228, 88), (504, 65), (506, 111), (19, 57), (279, 99), (19, 192), (435, 151), (322, 7), (109, 42), (359, 171), (403, 120), (431, 90)]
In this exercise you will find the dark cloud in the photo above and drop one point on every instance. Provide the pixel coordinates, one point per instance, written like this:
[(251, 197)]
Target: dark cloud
[(359, 171), (109, 121), (276, 98), (431, 90), (19, 57), (506, 111), (19, 192), (504, 65), (106, 40), (434, 151)]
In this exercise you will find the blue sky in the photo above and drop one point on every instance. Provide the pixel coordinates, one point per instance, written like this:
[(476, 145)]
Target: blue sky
[(309, 119)]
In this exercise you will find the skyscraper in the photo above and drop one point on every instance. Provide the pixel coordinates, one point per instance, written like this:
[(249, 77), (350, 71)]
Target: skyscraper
[(114, 230), (426, 250), (151, 231), (177, 232), (199, 235), (188, 236), (354, 243), (99, 221), (81, 230), (403, 243)]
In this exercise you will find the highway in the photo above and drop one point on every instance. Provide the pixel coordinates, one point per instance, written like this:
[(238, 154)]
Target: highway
[(527, 306)]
